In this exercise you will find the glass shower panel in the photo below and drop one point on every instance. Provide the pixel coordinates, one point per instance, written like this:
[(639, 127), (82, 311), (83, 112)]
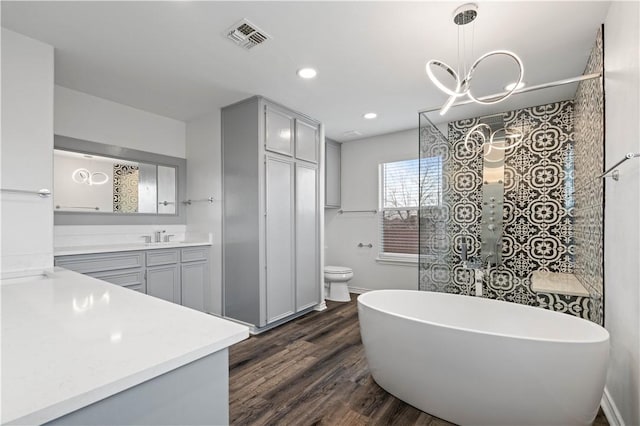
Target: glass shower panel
[(458, 184), (506, 207)]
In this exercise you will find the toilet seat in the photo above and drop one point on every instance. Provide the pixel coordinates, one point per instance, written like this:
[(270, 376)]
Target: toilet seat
[(337, 270)]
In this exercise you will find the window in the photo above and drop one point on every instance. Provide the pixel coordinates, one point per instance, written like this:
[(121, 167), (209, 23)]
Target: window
[(404, 187)]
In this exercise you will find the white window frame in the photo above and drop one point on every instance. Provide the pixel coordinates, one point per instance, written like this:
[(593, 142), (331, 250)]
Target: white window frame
[(390, 257)]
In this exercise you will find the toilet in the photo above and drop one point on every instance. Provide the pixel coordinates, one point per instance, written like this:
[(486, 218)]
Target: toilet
[(336, 278)]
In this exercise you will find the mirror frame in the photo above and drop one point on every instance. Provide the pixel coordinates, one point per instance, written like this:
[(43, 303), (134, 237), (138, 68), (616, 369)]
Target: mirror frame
[(110, 218)]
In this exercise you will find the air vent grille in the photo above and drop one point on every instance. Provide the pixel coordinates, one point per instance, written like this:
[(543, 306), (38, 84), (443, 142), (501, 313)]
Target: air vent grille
[(352, 134), (246, 35)]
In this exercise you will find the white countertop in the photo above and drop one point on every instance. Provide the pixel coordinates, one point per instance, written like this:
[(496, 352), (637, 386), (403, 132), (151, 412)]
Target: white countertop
[(69, 340), (558, 283), (108, 248)]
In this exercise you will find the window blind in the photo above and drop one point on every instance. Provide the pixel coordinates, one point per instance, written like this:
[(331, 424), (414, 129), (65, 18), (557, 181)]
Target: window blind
[(405, 186)]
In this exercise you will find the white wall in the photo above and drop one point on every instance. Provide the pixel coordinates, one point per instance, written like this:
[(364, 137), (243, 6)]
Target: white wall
[(82, 116), (360, 160), (27, 151), (204, 173), (622, 208)]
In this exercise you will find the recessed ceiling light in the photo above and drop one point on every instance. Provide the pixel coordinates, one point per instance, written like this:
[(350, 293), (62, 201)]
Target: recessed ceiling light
[(307, 73), (510, 86), (370, 115)]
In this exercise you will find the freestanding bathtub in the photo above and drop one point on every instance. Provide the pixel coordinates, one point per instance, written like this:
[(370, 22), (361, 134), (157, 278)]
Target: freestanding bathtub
[(475, 361)]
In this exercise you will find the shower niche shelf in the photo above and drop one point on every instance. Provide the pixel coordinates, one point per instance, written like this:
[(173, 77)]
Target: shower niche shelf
[(557, 283)]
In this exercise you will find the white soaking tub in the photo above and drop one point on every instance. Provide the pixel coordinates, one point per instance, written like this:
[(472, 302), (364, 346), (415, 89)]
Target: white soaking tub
[(475, 361)]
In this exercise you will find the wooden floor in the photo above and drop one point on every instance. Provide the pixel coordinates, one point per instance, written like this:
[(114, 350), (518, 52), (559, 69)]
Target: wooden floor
[(313, 371)]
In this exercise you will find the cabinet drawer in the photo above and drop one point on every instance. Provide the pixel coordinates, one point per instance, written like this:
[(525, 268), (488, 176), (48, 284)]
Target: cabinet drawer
[(162, 257), (87, 263), (131, 279), (194, 253)]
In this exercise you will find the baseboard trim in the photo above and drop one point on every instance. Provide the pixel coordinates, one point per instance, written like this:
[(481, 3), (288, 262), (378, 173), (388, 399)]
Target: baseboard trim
[(358, 290), (610, 409), (320, 306)]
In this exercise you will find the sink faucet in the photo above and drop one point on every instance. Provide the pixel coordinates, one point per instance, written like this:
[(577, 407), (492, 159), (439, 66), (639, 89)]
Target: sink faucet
[(167, 238), (158, 236)]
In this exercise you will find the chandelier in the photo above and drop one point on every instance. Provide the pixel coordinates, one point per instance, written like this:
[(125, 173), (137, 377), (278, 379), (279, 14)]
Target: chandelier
[(462, 16)]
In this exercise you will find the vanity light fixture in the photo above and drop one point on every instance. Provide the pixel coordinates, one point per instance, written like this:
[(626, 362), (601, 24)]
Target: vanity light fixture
[(462, 16), (370, 115), (307, 73)]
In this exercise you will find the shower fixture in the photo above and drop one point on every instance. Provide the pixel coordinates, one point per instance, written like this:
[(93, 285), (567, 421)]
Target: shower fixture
[(462, 16), (494, 151)]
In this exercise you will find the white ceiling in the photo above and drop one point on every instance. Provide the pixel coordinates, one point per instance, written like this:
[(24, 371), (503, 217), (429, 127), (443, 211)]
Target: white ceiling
[(171, 58)]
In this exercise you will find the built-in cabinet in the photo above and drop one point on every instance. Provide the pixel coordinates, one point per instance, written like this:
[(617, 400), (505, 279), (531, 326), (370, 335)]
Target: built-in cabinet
[(271, 223), (178, 275), (332, 181)]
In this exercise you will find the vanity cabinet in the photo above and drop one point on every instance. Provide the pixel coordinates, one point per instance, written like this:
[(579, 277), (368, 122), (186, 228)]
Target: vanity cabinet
[(332, 174), (178, 275), (133, 279), (126, 269), (163, 274), (194, 271), (271, 217)]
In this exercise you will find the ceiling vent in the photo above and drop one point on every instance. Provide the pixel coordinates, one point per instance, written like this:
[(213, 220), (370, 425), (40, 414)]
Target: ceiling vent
[(246, 35), (352, 134)]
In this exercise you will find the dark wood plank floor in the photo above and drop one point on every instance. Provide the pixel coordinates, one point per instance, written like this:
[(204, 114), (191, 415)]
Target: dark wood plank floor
[(313, 371)]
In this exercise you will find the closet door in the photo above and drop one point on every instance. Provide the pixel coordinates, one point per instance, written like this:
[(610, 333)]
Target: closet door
[(279, 229), (307, 272)]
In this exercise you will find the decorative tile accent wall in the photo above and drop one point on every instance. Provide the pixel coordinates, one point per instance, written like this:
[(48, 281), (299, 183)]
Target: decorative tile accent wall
[(579, 306), (589, 200), (538, 228)]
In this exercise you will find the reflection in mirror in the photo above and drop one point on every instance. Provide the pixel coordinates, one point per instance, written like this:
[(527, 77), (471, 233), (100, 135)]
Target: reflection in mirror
[(92, 183), (166, 190)]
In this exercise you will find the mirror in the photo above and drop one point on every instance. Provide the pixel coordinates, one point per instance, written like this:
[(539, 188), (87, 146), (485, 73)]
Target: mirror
[(91, 183)]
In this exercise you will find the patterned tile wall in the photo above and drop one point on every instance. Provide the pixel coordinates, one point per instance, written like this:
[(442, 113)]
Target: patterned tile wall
[(538, 228), (579, 306), (589, 161)]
